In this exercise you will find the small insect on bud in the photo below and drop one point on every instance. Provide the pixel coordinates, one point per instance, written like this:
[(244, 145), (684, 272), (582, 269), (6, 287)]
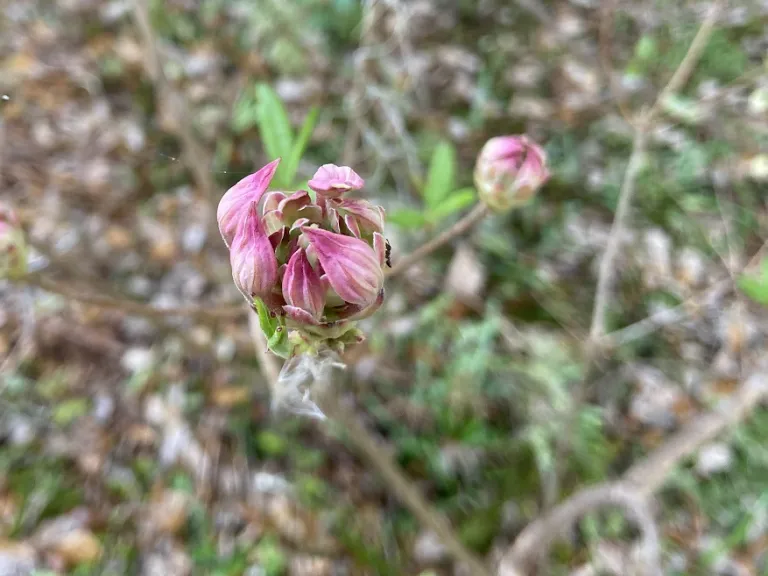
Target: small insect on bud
[(509, 171)]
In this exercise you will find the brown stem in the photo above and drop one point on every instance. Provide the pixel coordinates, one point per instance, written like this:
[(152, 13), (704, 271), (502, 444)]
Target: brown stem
[(476, 215), (203, 313), (642, 126), (195, 156), (377, 456), (640, 482)]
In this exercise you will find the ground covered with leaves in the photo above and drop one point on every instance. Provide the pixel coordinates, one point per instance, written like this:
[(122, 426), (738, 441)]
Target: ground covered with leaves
[(133, 441)]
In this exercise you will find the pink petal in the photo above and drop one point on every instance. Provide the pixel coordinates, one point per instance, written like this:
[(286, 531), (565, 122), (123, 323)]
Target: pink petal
[(272, 200), (302, 287), (369, 217), (300, 316), (254, 265), (352, 225), (380, 247), (233, 206), (351, 265), (333, 181), (333, 219), (290, 206), (272, 221)]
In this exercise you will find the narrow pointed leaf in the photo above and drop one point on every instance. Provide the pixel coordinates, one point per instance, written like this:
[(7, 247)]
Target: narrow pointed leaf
[(455, 202), (440, 179), (300, 144)]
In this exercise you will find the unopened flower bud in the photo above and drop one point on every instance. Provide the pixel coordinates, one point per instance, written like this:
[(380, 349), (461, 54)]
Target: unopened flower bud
[(310, 268), (13, 248), (509, 171)]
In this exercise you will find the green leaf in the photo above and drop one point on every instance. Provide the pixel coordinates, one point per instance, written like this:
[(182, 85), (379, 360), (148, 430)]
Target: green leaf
[(646, 48), (455, 202), (70, 410), (244, 116), (685, 110), (440, 179), (300, 144), (407, 218), (274, 128), (755, 286)]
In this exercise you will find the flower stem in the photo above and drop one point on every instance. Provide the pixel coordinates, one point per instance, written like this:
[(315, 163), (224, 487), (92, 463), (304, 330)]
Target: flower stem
[(476, 215), (204, 313)]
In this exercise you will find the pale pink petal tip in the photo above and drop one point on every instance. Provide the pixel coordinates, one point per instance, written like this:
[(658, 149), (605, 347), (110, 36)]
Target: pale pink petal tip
[(332, 180)]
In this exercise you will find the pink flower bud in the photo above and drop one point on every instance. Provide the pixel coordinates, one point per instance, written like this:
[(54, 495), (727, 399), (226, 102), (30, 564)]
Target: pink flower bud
[(332, 181), (350, 265), (254, 265), (509, 171), (233, 206), (303, 290)]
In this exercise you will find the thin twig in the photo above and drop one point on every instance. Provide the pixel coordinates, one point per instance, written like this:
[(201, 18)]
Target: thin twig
[(605, 275), (476, 215), (605, 39), (691, 58), (665, 317), (195, 156), (520, 553), (669, 316), (377, 456), (224, 312), (538, 536), (638, 483), (642, 126), (648, 475), (269, 364), (203, 313)]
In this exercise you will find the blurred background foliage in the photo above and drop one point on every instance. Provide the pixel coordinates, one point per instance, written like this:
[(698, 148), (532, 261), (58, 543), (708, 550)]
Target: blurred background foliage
[(130, 445)]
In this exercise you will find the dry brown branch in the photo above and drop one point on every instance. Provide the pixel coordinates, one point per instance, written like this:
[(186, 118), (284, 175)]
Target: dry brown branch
[(648, 475), (605, 33), (535, 540), (195, 156), (642, 126), (378, 457), (638, 484), (607, 262), (476, 215), (202, 313), (665, 317), (670, 316), (691, 58), (538, 536)]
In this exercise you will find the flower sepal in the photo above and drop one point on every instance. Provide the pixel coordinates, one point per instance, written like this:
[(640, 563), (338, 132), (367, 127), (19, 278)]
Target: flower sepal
[(314, 339), (274, 329)]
